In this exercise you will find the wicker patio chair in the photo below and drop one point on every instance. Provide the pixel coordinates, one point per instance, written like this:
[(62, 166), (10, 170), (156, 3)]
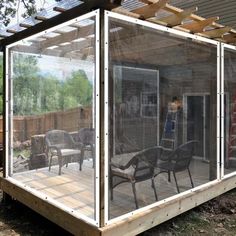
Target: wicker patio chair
[(87, 137), (140, 168), (61, 145), (178, 161)]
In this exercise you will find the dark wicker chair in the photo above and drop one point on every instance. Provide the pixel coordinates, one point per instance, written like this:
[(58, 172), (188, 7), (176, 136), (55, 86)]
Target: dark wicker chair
[(87, 137), (179, 160), (140, 168), (61, 145)]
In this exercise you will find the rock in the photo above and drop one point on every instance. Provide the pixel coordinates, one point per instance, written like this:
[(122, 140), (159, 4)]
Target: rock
[(202, 231), (220, 225), (219, 230), (231, 226), (20, 163), (17, 145)]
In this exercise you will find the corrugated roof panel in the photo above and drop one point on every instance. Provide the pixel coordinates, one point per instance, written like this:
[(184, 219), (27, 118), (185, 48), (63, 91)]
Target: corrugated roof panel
[(69, 4), (226, 10), (48, 12), (132, 4)]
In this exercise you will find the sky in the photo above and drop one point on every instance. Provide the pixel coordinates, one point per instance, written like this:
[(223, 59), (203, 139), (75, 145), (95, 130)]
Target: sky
[(39, 4), (62, 68)]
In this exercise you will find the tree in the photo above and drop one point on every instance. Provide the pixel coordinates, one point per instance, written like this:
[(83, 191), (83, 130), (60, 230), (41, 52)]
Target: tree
[(50, 89), (25, 83), (77, 90), (9, 8), (37, 93)]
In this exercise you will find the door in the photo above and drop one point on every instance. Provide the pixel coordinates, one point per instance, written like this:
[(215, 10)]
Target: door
[(197, 122)]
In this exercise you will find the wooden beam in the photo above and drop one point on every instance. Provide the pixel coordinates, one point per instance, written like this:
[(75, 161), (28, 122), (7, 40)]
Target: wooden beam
[(58, 51), (12, 31), (174, 19), (216, 33), (24, 25), (85, 45), (175, 10), (194, 17), (149, 1), (230, 38), (198, 27), (123, 11), (150, 10), (66, 37), (41, 18), (59, 9)]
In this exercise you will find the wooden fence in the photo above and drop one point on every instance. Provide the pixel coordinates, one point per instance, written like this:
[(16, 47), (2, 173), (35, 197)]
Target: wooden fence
[(70, 120)]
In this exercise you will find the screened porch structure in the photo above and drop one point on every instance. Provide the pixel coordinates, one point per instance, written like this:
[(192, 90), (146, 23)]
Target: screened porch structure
[(119, 116)]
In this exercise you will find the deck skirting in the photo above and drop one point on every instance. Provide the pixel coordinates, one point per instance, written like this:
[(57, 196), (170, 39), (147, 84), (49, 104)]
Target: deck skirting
[(132, 225)]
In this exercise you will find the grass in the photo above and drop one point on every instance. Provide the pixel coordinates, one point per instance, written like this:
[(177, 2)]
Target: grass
[(24, 152)]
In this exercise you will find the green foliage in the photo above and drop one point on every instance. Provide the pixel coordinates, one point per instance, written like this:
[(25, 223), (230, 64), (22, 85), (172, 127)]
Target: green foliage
[(37, 94), (77, 90), (26, 83), (34, 93), (8, 9), (50, 93)]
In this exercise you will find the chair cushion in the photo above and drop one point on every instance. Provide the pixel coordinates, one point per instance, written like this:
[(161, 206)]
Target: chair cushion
[(127, 173), (69, 152)]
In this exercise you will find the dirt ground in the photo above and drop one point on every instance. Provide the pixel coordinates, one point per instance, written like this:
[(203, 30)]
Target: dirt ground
[(217, 217)]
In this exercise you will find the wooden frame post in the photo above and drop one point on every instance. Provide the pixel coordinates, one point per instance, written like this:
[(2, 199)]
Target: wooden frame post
[(6, 197), (102, 169)]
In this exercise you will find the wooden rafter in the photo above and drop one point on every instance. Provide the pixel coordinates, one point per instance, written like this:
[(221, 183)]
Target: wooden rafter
[(216, 33), (24, 25), (149, 11), (174, 19), (194, 17), (125, 12), (82, 32), (12, 31), (230, 38), (198, 27), (59, 9), (41, 18), (60, 50), (149, 1)]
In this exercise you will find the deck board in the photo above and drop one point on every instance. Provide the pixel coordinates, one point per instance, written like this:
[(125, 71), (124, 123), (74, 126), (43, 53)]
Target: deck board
[(75, 188)]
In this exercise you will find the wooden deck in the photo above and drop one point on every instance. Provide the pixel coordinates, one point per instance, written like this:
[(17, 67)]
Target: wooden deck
[(75, 189)]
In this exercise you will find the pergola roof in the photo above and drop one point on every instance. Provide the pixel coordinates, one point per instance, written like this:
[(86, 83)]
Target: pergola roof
[(156, 11)]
